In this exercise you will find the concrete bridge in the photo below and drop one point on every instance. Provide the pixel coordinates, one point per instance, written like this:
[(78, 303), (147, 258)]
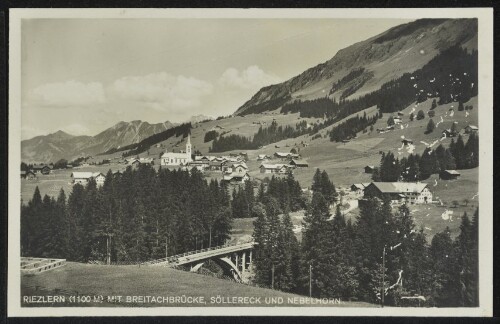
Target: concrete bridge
[(234, 259)]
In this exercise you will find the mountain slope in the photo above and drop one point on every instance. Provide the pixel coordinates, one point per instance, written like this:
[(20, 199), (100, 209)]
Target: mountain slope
[(52, 147), (363, 67)]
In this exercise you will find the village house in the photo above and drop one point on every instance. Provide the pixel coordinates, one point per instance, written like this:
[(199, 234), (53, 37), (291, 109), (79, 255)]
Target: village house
[(215, 165), (359, 188), (200, 164), (28, 175), (406, 141), (449, 174), (369, 169), (262, 157), (400, 192), (183, 158), (84, 177), (273, 168), (299, 164), (471, 129), (236, 178), (41, 169), (237, 168)]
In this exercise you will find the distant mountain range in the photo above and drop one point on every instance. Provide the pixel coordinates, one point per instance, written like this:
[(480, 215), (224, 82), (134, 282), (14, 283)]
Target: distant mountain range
[(52, 147), (365, 66)]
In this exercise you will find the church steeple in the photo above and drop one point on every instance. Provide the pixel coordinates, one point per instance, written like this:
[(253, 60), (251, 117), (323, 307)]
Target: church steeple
[(188, 147)]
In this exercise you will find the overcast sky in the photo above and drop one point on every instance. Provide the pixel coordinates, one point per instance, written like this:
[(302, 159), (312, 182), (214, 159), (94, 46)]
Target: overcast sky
[(85, 75)]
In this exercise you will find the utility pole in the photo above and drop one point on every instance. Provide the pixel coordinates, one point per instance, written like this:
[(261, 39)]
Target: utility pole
[(310, 280), (272, 275), (166, 247), (383, 276)]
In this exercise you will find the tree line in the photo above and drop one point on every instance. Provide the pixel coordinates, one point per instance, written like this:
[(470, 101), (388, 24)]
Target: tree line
[(415, 167), (450, 76), (350, 127), (136, 216), (380, 253), (285, 190), (264, 136)]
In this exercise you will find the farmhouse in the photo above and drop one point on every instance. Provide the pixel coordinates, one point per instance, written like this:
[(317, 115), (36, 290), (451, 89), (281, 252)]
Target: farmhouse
[(84, 177), (449, 174), (406, 141), (273, 168), (215, 165), (261, 157), (299, 163), (369, 168), (183, 158), (359, 188), (236, 178), (28, 175), (400, 192), (41, 169), (236, 168), (471, 129)]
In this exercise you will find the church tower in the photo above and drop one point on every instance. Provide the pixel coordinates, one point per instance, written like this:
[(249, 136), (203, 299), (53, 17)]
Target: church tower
[(188, 148)]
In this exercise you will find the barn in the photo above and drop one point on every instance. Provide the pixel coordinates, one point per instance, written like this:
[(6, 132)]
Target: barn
[(449, 174)]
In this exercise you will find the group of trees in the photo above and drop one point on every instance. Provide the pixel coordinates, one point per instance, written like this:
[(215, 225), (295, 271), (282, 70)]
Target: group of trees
[(285, 190), (264, 136), (350, 127), (210, 135), (132, 217), (342, 259), (417, 167)]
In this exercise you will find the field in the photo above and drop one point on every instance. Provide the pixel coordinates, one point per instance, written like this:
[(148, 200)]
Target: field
[(101, 280)]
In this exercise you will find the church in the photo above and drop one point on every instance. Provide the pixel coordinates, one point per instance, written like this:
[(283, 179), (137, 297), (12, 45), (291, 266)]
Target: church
[(182, 158)]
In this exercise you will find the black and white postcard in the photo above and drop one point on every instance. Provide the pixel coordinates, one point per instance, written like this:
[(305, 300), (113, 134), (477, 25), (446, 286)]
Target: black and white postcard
[(250, 162)]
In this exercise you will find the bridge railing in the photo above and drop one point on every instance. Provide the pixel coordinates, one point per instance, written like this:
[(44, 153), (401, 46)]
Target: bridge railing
[(174, 258)]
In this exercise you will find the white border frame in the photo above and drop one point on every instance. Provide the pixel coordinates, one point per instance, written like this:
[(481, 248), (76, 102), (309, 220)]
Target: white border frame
[(485, 46)]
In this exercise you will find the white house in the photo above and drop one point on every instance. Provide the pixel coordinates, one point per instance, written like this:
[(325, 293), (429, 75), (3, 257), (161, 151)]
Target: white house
[(236, 168), (273, 168), (183, 158), (236, 178), (84, 177), (411, 192)]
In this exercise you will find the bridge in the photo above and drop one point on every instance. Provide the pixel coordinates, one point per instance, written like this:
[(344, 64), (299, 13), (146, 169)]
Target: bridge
[(234, 259)]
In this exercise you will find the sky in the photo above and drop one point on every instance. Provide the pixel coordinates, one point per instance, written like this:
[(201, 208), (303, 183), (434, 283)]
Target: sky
[(85, 75)]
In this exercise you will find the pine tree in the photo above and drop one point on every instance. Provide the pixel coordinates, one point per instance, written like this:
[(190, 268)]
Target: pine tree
[(441, 249), (464, 279), (430, 126)]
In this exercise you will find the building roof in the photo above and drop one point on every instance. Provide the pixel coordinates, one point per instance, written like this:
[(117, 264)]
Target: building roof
[(454, 172), (299, 162), (86, 175), (370, 166), (236, 176), (172, 154), (215, 163), (399, 187), (473, 127), (235, 165), (81, 175), (272, 166)]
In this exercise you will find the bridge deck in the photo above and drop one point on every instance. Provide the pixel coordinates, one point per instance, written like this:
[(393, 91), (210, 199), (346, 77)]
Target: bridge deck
[(194, 256)]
